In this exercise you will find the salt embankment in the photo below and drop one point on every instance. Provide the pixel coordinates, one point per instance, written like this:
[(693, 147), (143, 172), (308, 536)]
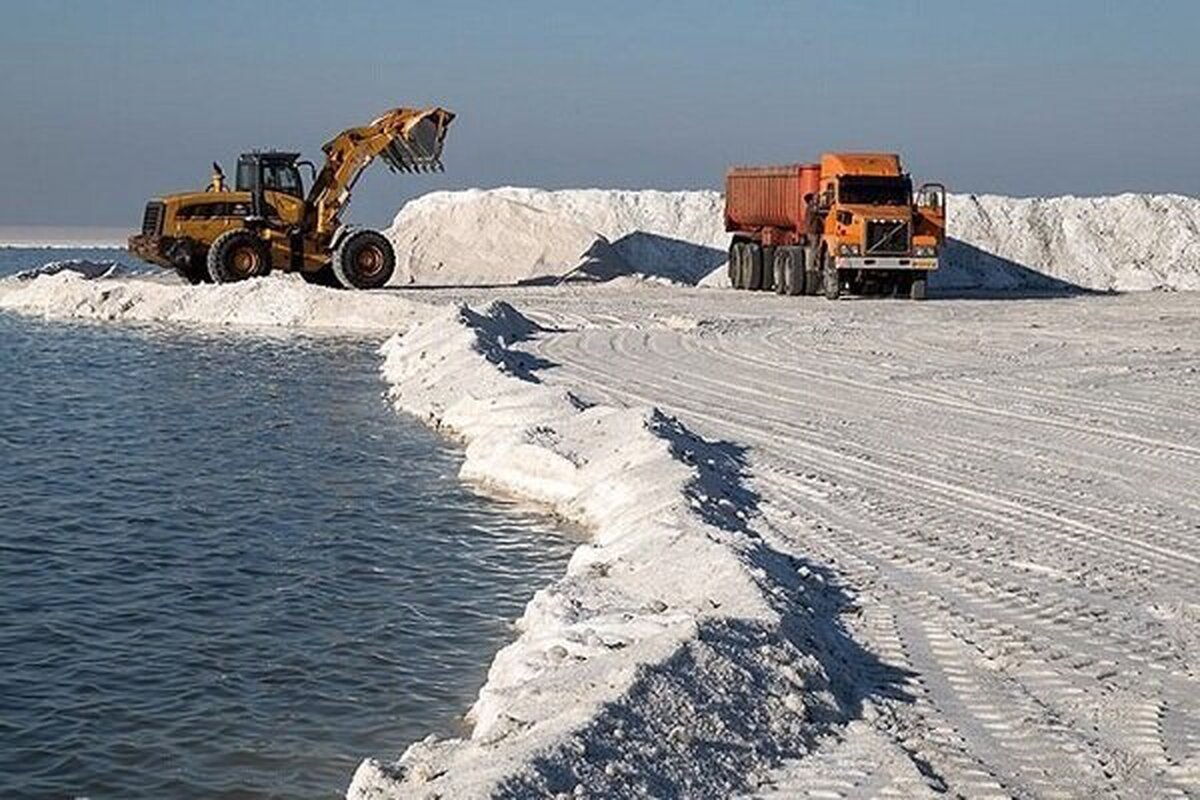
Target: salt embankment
[(676, 624), (278, 301)]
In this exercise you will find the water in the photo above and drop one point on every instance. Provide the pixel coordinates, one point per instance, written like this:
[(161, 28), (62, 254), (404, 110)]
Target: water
[(228, 569)]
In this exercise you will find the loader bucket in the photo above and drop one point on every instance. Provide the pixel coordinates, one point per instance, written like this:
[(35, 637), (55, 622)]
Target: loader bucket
[(416, 143)]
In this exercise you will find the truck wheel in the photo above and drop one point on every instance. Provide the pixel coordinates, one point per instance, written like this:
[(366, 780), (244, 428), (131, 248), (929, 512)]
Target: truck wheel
[(812, 266), (754, 267), (739, 265), (795, 271), (237, 255), (364, 260), (731, 265), (789, 270), (916, 289), (768, 268), (832, 281)]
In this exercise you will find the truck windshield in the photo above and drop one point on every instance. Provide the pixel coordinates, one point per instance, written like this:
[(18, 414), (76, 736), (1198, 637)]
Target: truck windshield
[(869, 190)]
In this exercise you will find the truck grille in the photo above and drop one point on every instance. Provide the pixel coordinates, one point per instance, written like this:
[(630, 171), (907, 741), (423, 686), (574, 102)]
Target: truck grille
[(886, 237), (152, 219)]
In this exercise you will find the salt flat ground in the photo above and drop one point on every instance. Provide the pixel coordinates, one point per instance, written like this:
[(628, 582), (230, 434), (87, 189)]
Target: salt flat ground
[(1009, 489)]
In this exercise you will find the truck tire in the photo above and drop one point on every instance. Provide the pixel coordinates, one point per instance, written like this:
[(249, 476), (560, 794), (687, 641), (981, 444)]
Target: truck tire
[(789, 270), (753, 266), (364, 259), (768, 268), (238, 255), (739, 265), (831, 281), (795, 271), (916, 290), (812, 266), (731, 265)]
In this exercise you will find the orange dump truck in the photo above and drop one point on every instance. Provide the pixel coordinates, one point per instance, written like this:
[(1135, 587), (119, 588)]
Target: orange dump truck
[(851, 223)]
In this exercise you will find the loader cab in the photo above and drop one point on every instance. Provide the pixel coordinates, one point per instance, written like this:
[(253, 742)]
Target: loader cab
[(273, 171), (276, 189)]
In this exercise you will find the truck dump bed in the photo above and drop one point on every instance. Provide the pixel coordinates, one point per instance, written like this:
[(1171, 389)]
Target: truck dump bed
[(769, 197)]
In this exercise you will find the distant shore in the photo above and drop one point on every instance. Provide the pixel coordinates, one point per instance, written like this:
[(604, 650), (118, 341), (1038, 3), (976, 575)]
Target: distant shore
[(62, 236)]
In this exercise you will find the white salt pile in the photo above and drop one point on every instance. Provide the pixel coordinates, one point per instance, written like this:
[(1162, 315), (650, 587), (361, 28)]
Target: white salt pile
[(513, 235), (1129, 242)]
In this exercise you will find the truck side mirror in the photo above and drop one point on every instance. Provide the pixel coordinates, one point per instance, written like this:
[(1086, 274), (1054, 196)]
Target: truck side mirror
[(932, 195)]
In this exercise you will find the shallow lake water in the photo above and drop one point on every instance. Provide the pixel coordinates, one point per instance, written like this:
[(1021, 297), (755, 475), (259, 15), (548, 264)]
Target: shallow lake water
[(229, 569)]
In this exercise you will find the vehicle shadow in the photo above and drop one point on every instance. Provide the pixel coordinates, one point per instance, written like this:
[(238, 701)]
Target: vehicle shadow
[(642, 253), (637, 253), (661, 256), (744, 689), (968, 272)]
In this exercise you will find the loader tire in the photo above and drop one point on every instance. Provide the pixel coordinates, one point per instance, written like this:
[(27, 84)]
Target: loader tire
[(916, 290), (831, 281), (238, 255), (364, 260), (754, 267)]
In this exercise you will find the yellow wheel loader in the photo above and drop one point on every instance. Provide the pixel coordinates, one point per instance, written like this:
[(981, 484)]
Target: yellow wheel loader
[(266, 221)]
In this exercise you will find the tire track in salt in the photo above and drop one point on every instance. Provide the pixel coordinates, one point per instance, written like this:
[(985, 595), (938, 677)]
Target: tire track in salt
[(872, 459)]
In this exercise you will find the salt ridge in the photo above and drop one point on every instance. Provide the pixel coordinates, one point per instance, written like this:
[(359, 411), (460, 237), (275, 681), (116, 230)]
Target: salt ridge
[(613, 676)]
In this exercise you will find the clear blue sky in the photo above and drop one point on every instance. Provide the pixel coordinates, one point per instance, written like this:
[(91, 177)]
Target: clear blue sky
[(107, 102)]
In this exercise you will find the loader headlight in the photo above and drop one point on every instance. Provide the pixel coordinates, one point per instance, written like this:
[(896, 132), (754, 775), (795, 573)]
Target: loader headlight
[(925, 251), (848, 250)]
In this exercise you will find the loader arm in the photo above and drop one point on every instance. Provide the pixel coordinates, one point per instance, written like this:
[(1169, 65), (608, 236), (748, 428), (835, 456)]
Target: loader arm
[(407, 139)]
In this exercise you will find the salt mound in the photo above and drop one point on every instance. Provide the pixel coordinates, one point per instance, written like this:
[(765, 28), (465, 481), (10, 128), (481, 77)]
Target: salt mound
[(1128, 242), (277, 301), (483, 238), (511, 235), (675, 235)]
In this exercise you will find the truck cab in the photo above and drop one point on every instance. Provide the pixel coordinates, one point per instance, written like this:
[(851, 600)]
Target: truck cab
[(875, 231)]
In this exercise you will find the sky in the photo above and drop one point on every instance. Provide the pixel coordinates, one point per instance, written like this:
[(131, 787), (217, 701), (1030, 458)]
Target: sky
[(105, 103)]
